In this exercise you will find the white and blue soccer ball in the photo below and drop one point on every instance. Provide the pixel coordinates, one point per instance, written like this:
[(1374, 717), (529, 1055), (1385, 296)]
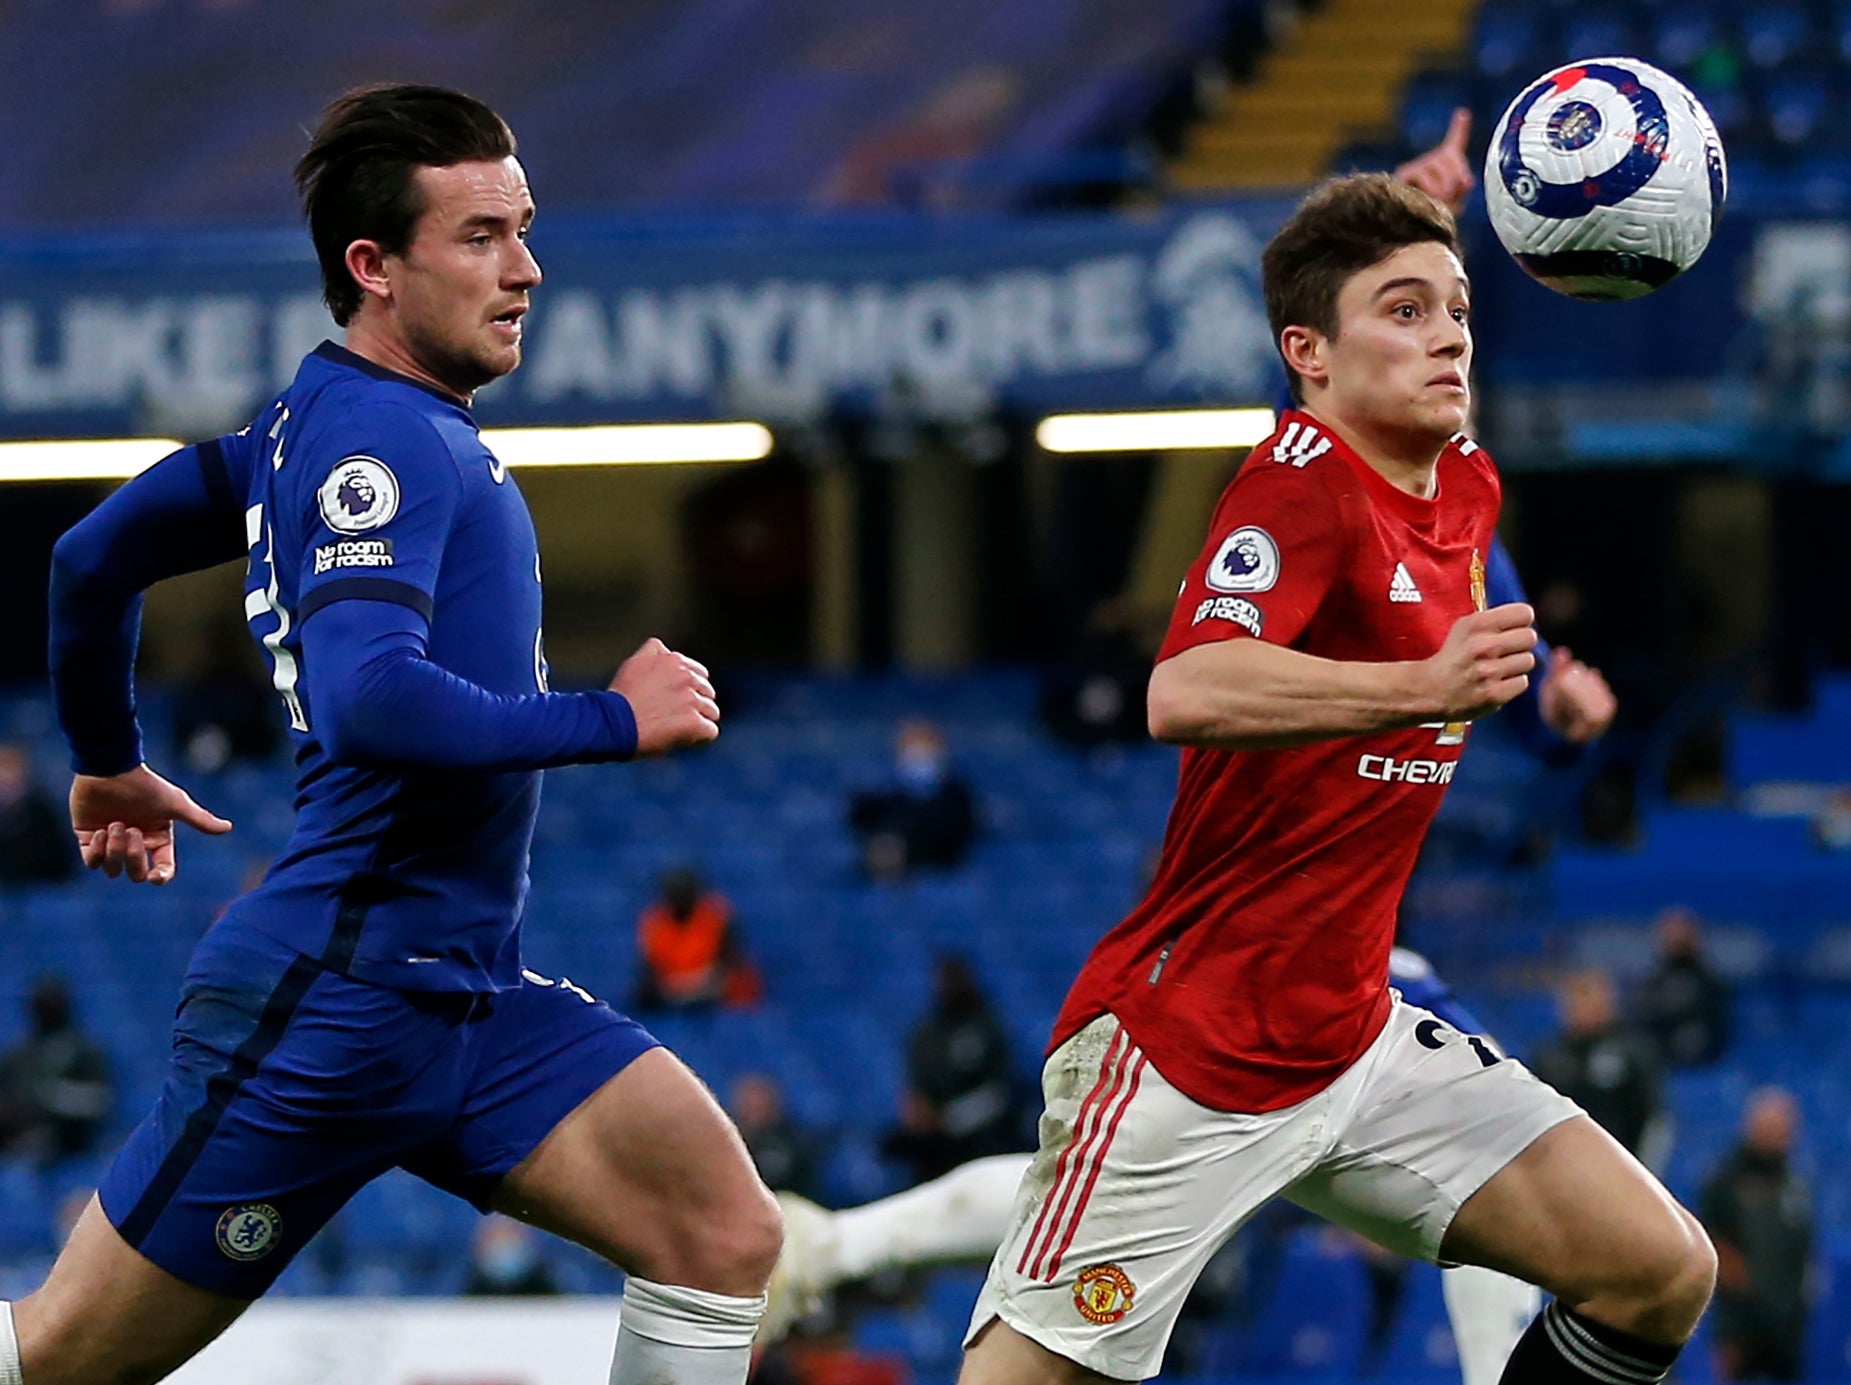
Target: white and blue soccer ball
[(1605, 178)]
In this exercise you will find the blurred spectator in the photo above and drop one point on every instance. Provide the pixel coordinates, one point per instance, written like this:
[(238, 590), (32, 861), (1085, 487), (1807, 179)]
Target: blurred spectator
[(1609, 1070), (689, 949), (925, 817), (1685, 1004), (784, 1153), (1098, 696), (227, 710), (36, 845), (505, 1260), (960, 1102), (55, 1087), (1832, 826), (1759, 1213)]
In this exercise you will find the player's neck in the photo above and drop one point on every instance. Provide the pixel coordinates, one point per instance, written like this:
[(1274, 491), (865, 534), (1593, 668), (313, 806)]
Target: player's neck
[(366, 340), (1405, 460)]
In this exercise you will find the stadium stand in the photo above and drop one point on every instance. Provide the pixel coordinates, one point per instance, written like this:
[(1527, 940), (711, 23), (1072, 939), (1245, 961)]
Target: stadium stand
[(847, 963), (192, 111)]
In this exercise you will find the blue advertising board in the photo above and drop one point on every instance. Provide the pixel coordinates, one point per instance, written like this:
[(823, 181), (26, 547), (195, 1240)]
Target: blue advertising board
[(784, 319)]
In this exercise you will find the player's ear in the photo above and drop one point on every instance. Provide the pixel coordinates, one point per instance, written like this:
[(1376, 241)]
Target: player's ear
[(1304, 351), (366, 261)]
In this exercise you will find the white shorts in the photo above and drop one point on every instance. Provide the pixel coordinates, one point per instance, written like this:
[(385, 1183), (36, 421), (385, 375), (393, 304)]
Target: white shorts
[(1135, 1186)]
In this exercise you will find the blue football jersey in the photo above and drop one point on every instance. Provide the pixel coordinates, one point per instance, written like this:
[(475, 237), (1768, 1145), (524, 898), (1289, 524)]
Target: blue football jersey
[(360, 483)]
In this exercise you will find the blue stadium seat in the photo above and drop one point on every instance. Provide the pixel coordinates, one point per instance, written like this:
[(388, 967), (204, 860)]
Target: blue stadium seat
[(1681, 32), (1506, 35), (1774, 33)]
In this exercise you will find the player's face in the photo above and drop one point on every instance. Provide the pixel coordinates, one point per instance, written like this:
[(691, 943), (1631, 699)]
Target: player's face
[(1401, 361), (460, 289)]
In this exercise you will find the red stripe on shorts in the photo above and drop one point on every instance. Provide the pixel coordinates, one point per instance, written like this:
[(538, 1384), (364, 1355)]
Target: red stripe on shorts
[(1081, 1148), (1098, 1164), (1060, 1168)]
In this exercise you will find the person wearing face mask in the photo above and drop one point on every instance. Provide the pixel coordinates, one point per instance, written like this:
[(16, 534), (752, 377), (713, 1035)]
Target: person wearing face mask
[(925, 817), (960, 1102), (504, 1262)]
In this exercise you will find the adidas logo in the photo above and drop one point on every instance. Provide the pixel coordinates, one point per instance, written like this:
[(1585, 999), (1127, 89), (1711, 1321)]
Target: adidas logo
[(1401, 587), (1299, 445)]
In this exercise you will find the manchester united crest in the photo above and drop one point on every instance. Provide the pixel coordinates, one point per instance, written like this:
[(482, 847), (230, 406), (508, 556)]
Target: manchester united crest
[(1103, 1293), (1478, 581)]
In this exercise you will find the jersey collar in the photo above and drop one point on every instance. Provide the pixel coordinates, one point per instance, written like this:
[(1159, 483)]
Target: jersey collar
[(1411, 508), (353, 360)]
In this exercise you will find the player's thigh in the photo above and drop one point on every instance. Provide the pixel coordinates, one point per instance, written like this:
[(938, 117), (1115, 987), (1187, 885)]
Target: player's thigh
[(580, 1123), (650, 1173), (106, 1315), (1132, 1189), (1578, 1215), (1435, 1115), (999, 1355)]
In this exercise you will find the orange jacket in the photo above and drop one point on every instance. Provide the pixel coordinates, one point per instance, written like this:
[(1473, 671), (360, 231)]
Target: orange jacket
[(686, 956)]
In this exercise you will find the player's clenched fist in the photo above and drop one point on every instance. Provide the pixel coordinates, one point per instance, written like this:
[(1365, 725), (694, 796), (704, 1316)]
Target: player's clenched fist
[(1485, 662), (672, 697)]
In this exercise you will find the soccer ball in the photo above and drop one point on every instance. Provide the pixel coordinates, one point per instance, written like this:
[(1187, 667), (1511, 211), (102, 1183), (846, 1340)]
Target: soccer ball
[(1605, 178)]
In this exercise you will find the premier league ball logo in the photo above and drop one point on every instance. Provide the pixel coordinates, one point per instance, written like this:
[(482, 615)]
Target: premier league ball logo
[(1247, 561), (360, 494)]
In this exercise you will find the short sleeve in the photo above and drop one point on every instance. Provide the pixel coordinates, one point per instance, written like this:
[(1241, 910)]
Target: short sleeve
[(1272, 554), (382, 497)]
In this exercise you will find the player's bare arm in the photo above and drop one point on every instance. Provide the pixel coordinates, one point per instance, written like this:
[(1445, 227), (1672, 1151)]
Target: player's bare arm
[(672, 698), (125, 823), (1244, 694)]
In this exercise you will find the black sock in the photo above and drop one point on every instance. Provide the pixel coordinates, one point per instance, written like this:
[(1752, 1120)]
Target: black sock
[(1563, 1346)]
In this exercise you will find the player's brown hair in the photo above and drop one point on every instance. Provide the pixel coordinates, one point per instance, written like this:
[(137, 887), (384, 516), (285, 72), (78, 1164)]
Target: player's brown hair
[(1342, 227), (357, 180)]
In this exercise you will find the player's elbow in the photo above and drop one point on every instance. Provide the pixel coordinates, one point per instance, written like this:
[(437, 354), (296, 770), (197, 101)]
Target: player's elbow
[(346, 742), (1172, 713), (351, 733), (75, 559)]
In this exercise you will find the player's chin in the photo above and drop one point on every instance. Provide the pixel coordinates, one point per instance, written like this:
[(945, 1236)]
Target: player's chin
[(1445, 408), (497, 358)]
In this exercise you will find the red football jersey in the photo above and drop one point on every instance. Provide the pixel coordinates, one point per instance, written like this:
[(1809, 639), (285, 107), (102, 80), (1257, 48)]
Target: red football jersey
[(1256, 968)]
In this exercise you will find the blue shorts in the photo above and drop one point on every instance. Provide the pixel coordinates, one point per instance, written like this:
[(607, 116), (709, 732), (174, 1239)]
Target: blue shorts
[(292, 1086)]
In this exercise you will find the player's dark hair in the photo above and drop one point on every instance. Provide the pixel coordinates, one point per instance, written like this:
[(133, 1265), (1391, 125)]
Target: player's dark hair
[(358, 178), (1343, 227)]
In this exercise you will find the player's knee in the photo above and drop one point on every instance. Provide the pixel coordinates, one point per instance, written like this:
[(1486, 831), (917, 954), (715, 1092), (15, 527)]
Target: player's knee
[(1693, 1277), (1669, 1279), (732, 1248), (759, 1238)]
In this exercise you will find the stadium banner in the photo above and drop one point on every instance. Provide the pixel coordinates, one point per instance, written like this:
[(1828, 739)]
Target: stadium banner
[(477, 1341), (783, 321)]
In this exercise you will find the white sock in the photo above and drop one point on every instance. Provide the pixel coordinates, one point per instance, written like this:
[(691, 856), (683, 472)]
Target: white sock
[(962, 1215), (668, 1335), (1489, 1312), (10, 1373)]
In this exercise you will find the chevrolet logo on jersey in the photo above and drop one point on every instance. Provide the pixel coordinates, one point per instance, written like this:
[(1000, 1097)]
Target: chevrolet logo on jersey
[(1388, 770)]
